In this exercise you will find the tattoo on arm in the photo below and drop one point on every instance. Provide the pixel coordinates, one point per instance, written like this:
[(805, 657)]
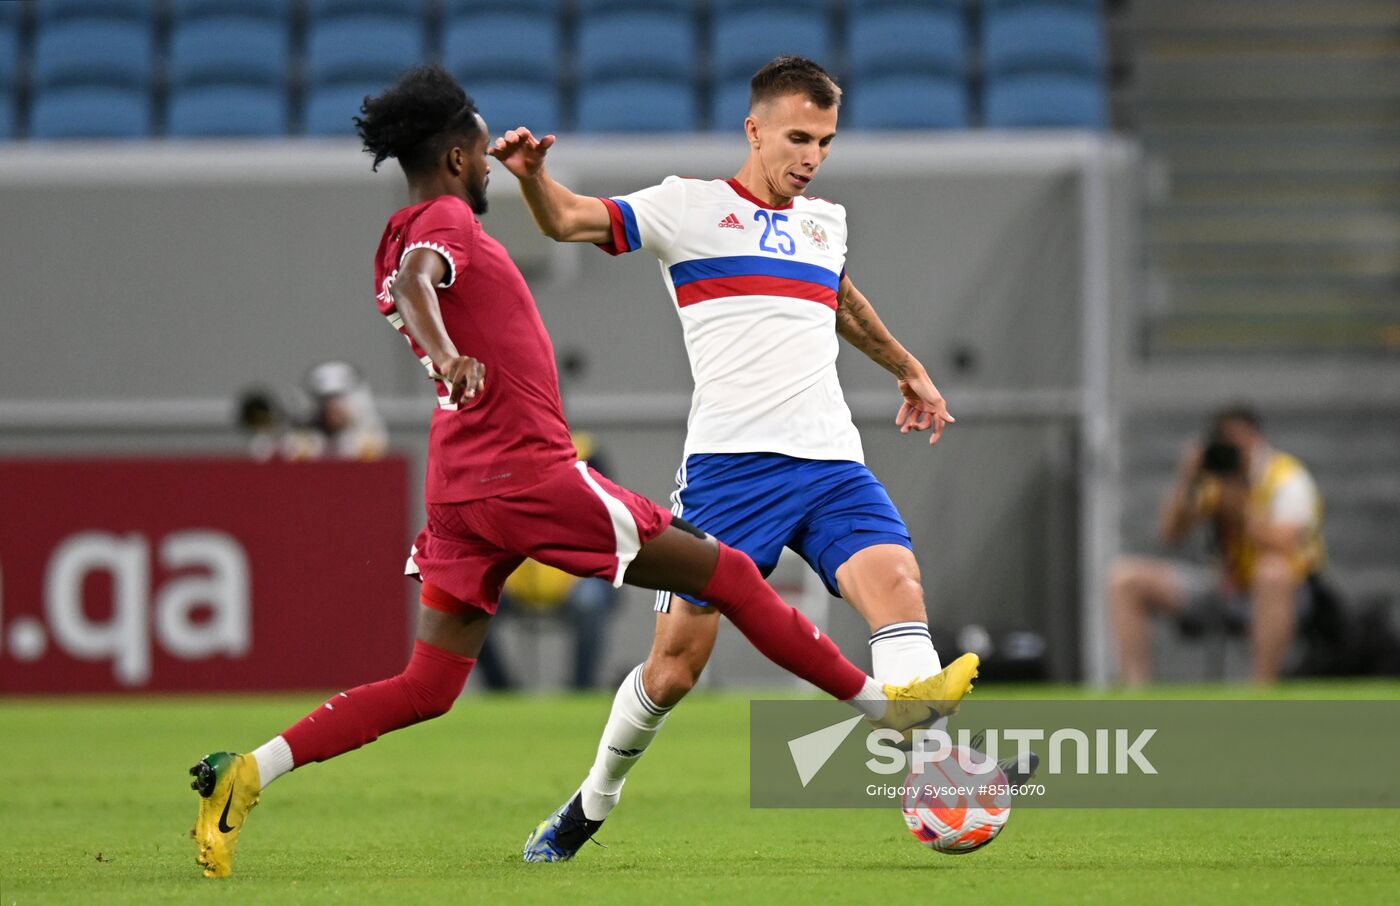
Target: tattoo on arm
[(857, 323)]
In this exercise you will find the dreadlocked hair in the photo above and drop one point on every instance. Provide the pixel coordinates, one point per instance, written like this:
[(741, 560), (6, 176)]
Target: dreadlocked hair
[(416, 119)]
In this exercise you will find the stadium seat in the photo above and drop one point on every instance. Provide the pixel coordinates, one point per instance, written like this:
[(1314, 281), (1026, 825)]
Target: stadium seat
[(854, 7), (741, 42), (593, 7), (335, 9), (1054, 100), (729, 105), (224, 111), (331, 110), (907, 41), (7, 117), (618, 45), (505, 105), (132, 10), (511, 46), (453, 8), (637, 105), (1043, 37), (907, 102), (90, 113), (1096, 6), (363, 49), (104, 52), (726, 7), (9, 56), (244, 51), (187, 10)]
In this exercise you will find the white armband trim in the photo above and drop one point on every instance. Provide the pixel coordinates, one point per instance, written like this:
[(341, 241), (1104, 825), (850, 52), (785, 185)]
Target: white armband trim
[(441, 250)]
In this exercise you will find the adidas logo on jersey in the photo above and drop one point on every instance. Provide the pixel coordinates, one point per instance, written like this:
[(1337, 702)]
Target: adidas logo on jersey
[(731, 222)]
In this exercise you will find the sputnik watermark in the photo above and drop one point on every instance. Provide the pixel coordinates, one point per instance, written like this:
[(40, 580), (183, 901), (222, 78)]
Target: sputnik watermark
[(1109, 751)]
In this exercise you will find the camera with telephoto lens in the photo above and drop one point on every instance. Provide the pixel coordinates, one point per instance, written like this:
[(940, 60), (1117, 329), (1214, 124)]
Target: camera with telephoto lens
[(1221, 458)]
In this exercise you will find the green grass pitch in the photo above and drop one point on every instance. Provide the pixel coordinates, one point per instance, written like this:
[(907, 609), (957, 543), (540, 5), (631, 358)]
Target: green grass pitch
[(95, 808)]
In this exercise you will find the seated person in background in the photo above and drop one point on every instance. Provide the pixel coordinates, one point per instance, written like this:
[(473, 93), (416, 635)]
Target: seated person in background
[(1265, 516), (263, 421), (344, 423), (585, 605)]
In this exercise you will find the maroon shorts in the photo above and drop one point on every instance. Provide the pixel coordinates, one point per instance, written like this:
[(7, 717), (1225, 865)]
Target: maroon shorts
[(575, 520)]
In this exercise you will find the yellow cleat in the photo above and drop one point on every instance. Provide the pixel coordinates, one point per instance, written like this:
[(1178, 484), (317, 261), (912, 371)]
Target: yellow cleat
[(924, 701), (228, 786)]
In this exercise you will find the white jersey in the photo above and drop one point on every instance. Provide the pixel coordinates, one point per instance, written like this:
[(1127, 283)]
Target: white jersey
[(755, 287)]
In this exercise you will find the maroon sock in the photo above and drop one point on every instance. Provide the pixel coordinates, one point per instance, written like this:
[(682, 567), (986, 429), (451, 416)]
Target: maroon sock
[(779, 631), (426, 688)]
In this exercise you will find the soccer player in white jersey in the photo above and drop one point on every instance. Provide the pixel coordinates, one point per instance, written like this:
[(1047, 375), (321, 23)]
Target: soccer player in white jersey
[(772, 459)]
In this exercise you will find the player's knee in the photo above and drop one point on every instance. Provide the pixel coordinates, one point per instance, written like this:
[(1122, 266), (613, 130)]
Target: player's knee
[(1125, 580), (1273, 572), (432, 698), (670, 679)]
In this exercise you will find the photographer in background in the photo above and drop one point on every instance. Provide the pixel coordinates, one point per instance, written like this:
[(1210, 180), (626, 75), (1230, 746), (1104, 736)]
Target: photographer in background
[(1265, 519)]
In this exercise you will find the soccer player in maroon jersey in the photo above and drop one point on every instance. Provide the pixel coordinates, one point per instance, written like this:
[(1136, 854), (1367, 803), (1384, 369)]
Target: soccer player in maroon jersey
[(503, 479)]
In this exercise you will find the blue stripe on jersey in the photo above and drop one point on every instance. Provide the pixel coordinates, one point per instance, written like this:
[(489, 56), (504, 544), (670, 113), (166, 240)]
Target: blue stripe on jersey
[(629, 225), (752, 266)]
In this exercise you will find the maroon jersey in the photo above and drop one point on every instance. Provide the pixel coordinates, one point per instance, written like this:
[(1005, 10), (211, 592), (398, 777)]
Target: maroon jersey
[(512, 434)]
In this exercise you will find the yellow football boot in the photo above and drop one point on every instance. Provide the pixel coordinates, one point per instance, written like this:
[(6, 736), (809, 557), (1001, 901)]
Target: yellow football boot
[(932, 698), (228, 786)]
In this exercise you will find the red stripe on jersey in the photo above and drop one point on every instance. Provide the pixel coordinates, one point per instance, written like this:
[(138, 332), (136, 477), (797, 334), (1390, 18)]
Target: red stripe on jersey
[(757, 285), (618, 245)]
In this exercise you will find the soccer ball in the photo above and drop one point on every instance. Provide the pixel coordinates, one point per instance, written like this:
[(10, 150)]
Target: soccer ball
[(957, 804)]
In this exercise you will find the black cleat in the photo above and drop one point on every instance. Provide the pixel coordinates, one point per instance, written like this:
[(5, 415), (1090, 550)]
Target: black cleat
[(561, 835)]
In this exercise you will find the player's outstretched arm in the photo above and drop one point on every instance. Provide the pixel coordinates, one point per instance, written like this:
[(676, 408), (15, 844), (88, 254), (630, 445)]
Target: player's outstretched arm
[(924, 407), (560, 214), (416, 299)]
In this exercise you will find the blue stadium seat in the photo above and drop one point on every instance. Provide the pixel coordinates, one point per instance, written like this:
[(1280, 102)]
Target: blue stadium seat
[(90, 113), (729, 105), (802, 7), (513, 46), (617, 45), (9, 56), (741, 42), (1043, 37), (7, 118), (593, 7), (637, 105), (225, 111), (133, 10), (185, 10), (1096, 6), (335, 9), (363, 49), (907, 102), (854, 7), (505, 105), (1053, 100), (907, 41), (105, 52), (330, 110), (453, 8), (246, 51)]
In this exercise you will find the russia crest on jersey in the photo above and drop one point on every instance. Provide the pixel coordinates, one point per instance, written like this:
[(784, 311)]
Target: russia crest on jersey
[(814, 233)]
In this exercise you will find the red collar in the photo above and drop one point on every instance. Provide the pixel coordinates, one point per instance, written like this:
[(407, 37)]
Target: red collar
[(745, 194)]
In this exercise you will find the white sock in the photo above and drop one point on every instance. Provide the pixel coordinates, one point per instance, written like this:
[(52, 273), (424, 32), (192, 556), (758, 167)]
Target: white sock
[(633, 723), (870, 700), (274, 759), (901, 653)]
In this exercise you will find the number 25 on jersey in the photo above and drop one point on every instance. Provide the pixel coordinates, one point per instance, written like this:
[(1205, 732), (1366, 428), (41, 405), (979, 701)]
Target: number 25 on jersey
[(773, 226)]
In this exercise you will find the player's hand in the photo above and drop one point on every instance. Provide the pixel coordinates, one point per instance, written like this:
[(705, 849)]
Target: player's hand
[(464, 376), (923, 408), (522, 153)]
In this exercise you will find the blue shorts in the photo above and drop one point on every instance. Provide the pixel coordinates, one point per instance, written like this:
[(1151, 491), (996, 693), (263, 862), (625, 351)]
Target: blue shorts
[(759, 503)]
